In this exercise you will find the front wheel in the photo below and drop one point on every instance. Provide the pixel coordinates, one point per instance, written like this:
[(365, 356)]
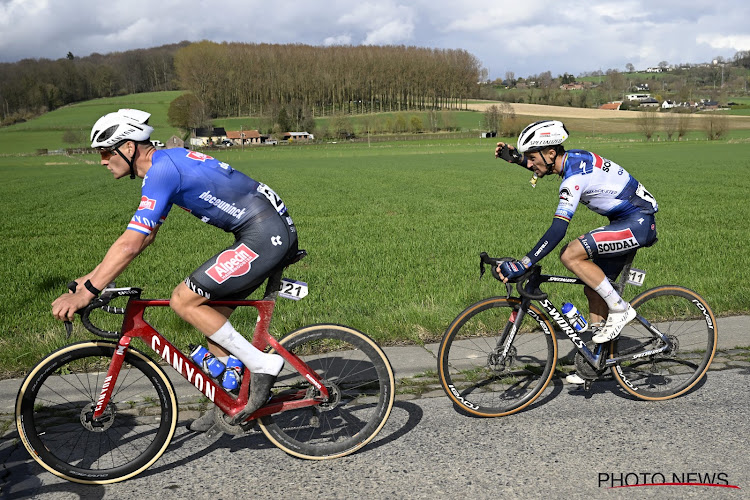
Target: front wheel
[(485, 371), (359, 379), (684, 317), (57, 400)]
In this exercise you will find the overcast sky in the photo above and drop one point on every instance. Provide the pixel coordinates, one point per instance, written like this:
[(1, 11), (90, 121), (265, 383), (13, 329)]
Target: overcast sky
[(526, 37)]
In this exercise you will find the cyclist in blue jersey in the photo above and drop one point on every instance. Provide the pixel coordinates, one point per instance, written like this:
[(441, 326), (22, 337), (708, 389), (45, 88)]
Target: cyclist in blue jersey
[(264, 238), (599, 255)]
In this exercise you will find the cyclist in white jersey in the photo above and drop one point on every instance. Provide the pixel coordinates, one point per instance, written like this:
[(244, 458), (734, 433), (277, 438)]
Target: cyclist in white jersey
[(607, 189)]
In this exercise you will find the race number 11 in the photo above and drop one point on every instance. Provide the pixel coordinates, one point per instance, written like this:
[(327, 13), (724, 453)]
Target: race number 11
[(636, 277)]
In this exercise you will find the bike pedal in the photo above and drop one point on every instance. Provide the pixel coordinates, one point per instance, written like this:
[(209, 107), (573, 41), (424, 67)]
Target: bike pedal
[(213, 432), (587, 385)]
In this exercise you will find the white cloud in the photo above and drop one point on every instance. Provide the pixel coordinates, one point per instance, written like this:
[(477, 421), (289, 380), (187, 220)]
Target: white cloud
[(393, 32), (338, 40), (734, 42)]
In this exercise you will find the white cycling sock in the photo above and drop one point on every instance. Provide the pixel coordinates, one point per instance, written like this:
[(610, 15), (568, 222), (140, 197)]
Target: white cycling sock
[(610, 296), (258, 361)]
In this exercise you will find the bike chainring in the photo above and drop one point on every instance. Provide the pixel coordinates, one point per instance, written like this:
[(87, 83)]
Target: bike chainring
[(221, 420), (583, 368)]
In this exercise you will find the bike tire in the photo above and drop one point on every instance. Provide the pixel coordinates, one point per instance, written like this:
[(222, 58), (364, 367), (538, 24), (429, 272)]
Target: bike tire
[(360, 379), (61, 389), (687, 319), (467, 365)]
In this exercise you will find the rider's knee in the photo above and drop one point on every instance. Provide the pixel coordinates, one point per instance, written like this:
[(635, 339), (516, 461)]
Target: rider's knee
[(180, 299), (567, 256)]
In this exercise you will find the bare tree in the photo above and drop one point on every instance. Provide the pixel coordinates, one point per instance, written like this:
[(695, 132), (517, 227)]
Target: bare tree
[(670, 122), (683, 124), (492, 118), (715, 125), (647, 122)]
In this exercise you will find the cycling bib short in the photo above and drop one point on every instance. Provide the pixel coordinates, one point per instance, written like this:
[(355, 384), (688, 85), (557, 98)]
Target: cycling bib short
[(610, 246), (261, 245)]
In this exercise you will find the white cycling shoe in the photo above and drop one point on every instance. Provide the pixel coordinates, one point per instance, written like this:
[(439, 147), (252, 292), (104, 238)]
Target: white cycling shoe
[(614, 325), (574, 378)]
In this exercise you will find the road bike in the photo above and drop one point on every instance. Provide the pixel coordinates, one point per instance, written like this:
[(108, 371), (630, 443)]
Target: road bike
[(498, 356), (99, 412)]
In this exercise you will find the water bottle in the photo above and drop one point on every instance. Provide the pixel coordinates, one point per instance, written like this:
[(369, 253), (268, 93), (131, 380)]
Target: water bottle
[(575, 318), (232, 377), (207, 361)]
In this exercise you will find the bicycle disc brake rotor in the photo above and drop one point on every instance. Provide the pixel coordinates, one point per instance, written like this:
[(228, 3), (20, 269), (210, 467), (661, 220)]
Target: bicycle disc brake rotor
[(103, 423), (334, 396), (672, 353), (497, 363)]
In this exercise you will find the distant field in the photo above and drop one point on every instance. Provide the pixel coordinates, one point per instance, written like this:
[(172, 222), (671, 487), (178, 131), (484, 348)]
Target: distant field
[(393, 231), (46, 132)]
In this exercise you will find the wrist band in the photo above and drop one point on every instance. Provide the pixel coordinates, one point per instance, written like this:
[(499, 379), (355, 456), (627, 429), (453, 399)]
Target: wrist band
[(91, 288)]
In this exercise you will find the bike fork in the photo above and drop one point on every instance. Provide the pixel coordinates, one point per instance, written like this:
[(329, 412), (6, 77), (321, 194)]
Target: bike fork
[(110, 379)]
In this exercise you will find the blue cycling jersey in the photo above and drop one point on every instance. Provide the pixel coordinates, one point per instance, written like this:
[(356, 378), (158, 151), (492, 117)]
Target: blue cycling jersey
[(204, 186)]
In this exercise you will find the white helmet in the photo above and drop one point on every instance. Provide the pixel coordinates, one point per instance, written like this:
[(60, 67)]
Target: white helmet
[(124, 125), (540, 135)]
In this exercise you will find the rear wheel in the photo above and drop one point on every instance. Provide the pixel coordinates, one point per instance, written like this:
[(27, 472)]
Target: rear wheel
[(482, 372), (360, 382), (57, 400), (683, 316)]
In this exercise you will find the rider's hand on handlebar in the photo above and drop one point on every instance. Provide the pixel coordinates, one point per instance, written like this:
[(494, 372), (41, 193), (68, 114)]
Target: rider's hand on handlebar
[(66, 305), (511, 269)]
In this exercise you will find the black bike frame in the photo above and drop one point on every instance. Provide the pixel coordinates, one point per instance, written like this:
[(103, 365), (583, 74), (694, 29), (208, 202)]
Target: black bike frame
[(596, 358)]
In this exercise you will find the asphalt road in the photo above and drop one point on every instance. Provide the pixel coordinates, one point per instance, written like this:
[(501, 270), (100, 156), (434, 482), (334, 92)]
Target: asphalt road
[(569, 445)]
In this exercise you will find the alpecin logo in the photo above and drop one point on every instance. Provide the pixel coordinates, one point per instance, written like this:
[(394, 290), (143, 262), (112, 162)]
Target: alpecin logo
[(231, 263), (146, 203)]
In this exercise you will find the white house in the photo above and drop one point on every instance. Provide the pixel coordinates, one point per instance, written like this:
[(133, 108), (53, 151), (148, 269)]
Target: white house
[(668, 104)]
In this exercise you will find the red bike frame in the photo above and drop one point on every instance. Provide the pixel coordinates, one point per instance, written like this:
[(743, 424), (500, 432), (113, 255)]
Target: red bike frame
[(135, 326)]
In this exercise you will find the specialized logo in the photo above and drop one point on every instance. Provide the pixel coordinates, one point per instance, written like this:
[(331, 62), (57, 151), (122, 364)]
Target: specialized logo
[(276, 240), (146, 203), (614, 241), (232, 263)]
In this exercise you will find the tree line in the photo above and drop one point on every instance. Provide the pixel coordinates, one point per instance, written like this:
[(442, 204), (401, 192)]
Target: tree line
[(235, 79), (238, 79), (34, 86)]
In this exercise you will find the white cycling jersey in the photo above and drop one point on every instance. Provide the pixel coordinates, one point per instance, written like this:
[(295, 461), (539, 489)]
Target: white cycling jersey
[(603, 186)]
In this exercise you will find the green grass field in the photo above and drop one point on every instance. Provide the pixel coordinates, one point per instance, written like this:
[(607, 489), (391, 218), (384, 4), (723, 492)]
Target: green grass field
[(393, 231)]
